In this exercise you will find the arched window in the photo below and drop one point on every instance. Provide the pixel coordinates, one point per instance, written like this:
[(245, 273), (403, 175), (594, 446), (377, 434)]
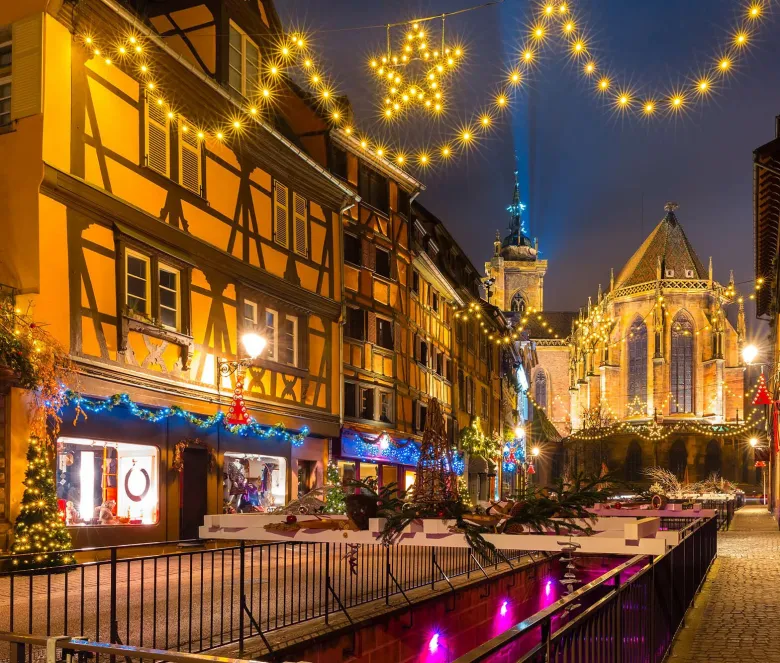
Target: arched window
[(540, 389), (712, 459), (518, 303), (678, 459), (682, 364), (633, 464), (637, 367)]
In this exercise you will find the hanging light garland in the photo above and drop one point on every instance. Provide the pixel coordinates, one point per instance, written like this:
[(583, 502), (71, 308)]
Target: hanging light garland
[(252, 428), (294, 51)]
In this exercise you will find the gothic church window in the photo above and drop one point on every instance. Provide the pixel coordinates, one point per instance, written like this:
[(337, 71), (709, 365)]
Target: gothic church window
[(682, 364), (678, 459), (637, 368), (518, 303), (540, 389)]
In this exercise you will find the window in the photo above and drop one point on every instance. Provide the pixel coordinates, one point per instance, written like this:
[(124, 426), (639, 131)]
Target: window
[(339, 162), (485, 406), (281, 210), (678, 459), (518, 303), (288, 341), (637, 368), (435, 301), (168, 285), (540, 389), (471, 341), (355, 326), (300, 225), (384, 333), (439, 367), (416, 282), (270, 333), (422, 415), (682, 364), (137, 287), (372, 188), (250, 315), (461, 390), (267, 473), (107, 483), (423, 357), (190, 153), (157, 135), (483, 346), (5, 84), (404, 202), (350, 399), (351, 249), (366, 402), (243, 62), (386, 407), (382, 266)]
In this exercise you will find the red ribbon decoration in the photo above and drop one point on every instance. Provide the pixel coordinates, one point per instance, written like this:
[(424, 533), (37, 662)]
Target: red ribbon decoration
[(237, 414)]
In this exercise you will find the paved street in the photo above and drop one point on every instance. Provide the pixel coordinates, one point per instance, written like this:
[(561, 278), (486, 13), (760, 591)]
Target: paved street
[(735, 617)]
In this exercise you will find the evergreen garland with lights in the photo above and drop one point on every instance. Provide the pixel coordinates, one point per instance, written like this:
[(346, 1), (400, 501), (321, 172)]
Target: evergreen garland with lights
[(334, 498), (40, 536)]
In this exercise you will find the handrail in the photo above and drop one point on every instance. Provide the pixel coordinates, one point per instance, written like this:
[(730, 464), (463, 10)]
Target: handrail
[(491, 646), (82, 644)]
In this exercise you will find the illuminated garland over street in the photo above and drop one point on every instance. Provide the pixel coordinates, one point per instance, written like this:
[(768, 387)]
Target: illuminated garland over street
[(294, 51), (98, 405)]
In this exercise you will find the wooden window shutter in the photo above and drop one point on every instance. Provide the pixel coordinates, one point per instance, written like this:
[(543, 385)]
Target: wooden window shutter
[(27, 67), (300, 223), (157, 134), (397, 337), (190, 152), (371, 327), (281, 207), (365, 252)]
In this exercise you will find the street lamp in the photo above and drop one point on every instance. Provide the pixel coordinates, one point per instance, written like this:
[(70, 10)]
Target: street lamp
[(749, 354), (254, 344), (753, 442), (535, 451)]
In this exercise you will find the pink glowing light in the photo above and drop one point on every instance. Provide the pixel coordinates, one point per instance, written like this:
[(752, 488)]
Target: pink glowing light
[(433, 644), (548, 588), (503, 609)]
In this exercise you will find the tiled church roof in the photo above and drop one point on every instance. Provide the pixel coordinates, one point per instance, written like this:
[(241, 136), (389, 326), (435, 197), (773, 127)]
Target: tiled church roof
[(669, 243)]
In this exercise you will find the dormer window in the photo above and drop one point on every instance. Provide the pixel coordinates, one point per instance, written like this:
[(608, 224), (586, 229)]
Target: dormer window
[(243, 62)]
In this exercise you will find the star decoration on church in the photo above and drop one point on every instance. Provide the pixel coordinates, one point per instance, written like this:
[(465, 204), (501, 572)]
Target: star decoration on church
[(416, 74)]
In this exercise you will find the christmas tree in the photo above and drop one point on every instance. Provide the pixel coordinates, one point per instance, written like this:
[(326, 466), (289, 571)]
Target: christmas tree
[(435, 481), (40, 537), (334, 497)]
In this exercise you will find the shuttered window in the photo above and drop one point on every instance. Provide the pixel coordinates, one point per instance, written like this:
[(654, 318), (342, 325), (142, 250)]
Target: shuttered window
[(5, 81), (157, 135), (243, 62), (189, 158), (300, 225), (281, 207), (27, 57)]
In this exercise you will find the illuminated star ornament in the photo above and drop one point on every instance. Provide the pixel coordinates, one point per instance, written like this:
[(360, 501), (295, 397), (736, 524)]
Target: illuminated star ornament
[(415, 75)]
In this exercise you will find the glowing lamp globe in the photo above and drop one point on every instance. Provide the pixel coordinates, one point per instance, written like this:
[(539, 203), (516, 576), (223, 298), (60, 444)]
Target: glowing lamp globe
[(754, 442), (519, 432), (254, 344), (535, 451), (749, 353)]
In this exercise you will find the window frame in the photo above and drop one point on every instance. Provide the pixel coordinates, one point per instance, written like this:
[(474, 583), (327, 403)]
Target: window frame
[(147, 260), (369, 192), (243, 73), (389, 254), (6, 76), (351, 310), (359, 250), (389, 323), (163, 266), (6, 80)]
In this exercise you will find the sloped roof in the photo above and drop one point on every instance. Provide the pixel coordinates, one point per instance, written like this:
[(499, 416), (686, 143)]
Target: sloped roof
[(669, 243), (558, 323)]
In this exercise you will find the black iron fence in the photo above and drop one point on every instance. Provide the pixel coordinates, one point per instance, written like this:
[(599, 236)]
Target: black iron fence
[(630, 614), (196, 599)]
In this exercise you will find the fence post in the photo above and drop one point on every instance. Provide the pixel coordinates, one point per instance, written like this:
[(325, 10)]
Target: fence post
[(114, 626), (618, 620), (546, 639), (387, 575), (433, 567), (327, 578), (242, 599), (652, 612)]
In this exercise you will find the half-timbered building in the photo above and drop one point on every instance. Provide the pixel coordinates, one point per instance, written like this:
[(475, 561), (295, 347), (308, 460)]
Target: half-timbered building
[(152, 219)]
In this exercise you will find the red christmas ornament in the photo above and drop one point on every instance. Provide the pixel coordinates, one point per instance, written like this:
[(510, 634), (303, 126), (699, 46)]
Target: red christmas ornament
[(237, 413), (762, 396), (618, 505), (531, 469), (291, 519)]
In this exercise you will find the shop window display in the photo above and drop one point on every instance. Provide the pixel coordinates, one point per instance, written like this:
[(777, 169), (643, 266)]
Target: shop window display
[(253, 483), (107, 483)]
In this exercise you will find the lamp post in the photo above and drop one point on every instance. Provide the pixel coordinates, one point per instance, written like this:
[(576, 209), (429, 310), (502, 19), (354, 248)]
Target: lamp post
[(755, 445), (254, 344)]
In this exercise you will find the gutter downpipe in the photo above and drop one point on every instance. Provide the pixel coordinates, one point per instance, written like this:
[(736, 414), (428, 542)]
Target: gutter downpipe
[(344, 209)]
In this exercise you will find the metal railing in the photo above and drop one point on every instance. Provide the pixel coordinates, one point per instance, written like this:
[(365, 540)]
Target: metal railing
[(64, 649), (197, 599), (631, 613)]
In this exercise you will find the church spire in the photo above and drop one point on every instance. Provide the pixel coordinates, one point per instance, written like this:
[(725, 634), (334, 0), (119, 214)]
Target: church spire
[(516, 209)]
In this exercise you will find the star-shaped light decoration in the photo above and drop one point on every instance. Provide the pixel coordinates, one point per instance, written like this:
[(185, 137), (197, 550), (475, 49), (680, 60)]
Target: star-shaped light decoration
[(416, 74)]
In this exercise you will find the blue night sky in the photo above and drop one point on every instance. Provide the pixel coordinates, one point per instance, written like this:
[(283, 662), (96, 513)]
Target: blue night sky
[(586, 174)]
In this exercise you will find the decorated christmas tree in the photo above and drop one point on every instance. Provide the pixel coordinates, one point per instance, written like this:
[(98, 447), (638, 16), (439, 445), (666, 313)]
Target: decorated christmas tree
[(334, 496), (435, 482), (40, 536)]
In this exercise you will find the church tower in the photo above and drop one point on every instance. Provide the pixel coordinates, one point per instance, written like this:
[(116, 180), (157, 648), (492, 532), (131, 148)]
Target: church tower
[(516, 270)]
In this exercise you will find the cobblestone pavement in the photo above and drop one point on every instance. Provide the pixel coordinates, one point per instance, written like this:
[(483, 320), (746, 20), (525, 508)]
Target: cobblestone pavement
[(735, 617)]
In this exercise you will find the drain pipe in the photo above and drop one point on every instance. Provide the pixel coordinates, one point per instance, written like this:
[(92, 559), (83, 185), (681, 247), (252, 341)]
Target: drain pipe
[(342, 318)]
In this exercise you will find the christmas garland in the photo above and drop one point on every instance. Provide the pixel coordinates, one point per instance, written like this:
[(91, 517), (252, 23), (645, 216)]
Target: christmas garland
[(84, 404), (181, 445), (474, 441)]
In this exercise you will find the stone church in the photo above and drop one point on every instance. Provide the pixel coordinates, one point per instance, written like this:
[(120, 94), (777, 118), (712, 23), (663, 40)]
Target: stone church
[(648, 373)]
